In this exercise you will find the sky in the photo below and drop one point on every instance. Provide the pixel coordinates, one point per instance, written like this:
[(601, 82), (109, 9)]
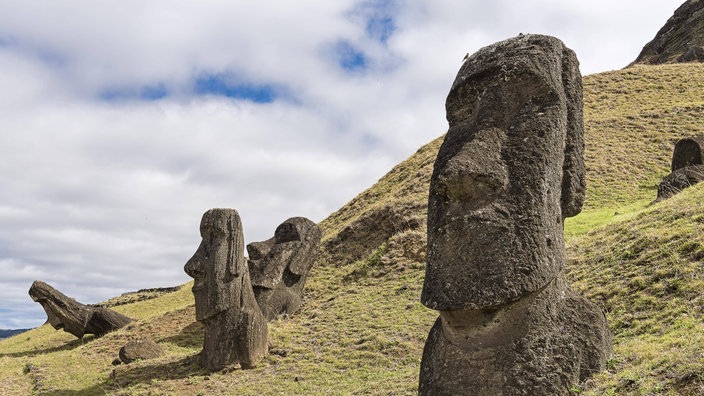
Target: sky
[(122, 122)]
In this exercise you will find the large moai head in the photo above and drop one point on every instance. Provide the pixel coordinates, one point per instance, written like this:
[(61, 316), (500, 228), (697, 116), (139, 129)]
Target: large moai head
[(279, 266), (287, 256), (217, 263), (509, 171)]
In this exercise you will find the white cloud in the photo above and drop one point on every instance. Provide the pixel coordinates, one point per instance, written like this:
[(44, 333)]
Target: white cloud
[(103, 196)]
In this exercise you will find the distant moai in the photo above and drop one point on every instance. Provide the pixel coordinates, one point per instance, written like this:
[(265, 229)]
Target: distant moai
[(508, 173), (235, 329), (688, 152), (279, 266), (687, 167), (73, 317)]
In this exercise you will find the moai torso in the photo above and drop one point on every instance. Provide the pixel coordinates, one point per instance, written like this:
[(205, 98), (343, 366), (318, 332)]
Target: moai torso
[(507, 174), (235, 329)]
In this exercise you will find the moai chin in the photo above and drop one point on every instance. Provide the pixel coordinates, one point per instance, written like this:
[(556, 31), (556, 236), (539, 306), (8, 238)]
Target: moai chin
[(507, 174), (235, 329), (279, 266)]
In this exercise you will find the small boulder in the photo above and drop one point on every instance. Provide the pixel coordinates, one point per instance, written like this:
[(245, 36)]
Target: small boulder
[(141, 349)]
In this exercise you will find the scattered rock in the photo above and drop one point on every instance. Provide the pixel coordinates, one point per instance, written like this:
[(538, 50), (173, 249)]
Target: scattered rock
[(279, 266), (509, 171), (235, 328), (141, 349), (73, 317)]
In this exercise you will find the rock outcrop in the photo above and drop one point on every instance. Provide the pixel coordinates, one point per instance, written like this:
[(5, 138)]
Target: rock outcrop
[(279, 266), (235, 329), (680, 40), (507, 174), (73, 317)]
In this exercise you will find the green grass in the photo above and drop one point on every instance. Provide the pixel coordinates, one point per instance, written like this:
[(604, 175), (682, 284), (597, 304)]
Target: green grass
[(362, 328), (646, 271)]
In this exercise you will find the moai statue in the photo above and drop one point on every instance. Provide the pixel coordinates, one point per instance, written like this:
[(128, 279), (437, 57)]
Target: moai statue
[(279, 266), (508, 173), (73, 317), (688, 151), (235, 329)]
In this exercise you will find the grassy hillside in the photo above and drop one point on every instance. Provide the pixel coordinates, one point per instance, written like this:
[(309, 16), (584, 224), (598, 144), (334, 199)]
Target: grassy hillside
[(362, 329)]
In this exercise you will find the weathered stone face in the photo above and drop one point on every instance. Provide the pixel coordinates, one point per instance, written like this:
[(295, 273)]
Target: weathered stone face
[(510, 169), (216, 263), (235, 329), (279, 266), (507, 174)]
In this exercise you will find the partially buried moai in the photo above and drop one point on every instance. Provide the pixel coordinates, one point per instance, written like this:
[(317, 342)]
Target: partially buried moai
[(509, 171), (279, 266), (235, 329)]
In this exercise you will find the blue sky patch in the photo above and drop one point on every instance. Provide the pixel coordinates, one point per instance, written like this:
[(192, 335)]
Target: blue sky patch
[(377, 16), (153, 92), (224, 85), (350, 58)]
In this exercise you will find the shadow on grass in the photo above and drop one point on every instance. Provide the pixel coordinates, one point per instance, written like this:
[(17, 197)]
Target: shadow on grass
[(128, 375), (64, 347), (190, 337)]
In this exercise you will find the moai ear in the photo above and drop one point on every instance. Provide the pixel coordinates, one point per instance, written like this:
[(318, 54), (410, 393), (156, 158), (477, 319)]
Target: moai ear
[(234, 246), (573, 170)]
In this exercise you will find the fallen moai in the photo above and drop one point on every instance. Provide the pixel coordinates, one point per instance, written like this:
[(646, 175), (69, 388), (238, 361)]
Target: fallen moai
[(235, 329), (73, 317), (279, 266), (509, 171)]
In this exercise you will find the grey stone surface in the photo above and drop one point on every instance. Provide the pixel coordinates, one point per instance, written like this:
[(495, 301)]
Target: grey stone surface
[(141, 349), (279, 266), (507, 174), (235, 329), (73, 317), (678, 180), (688, 152)]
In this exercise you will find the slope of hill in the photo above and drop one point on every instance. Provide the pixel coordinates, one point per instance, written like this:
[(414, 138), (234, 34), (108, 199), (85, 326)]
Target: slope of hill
[(362, 329), (647, 272), (681, 39)]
